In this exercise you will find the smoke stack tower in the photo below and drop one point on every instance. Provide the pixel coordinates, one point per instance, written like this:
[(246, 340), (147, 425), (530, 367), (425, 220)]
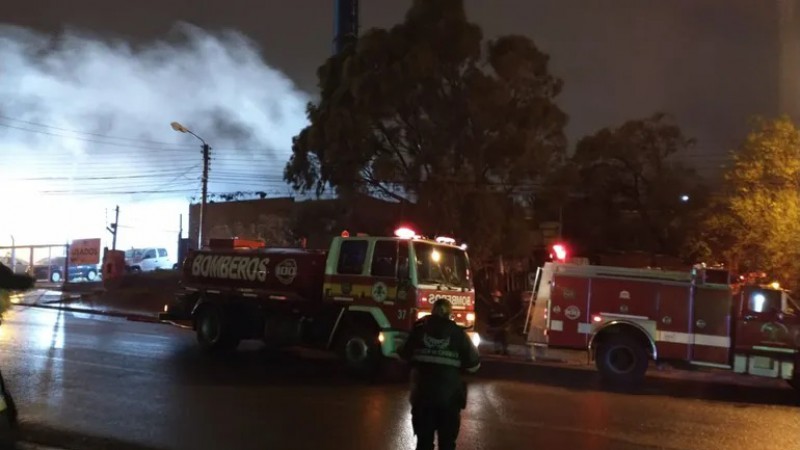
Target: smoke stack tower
[(345, 24), (789, 58)]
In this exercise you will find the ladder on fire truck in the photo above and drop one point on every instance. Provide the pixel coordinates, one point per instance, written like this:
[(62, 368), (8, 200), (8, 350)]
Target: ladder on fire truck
[(532, 300)]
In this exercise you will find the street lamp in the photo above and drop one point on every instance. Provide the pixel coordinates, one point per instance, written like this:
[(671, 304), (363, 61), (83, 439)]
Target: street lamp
[(206, 149), (684, 198)]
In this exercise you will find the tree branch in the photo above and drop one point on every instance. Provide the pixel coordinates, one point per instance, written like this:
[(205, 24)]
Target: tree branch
[(382, 129)]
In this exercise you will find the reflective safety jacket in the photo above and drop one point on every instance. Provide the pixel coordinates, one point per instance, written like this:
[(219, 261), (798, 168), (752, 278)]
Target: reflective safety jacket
[(439, 350)]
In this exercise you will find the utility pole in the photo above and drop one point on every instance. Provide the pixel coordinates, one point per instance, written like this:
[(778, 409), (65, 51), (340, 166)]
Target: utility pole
[(204, 202), (113, 228)]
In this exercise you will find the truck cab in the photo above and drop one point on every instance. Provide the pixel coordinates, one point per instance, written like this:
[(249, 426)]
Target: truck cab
[(397, 279), (767, 331)]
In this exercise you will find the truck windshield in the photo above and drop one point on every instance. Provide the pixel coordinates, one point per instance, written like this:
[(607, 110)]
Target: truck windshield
[(441, 265)]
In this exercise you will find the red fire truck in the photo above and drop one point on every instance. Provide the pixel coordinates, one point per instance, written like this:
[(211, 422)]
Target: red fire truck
[(360, 297), (626, 317)]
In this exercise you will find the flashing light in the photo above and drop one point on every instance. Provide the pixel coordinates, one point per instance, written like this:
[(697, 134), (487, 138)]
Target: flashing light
[(436, 256), (775, 285), (345, 234), (597, 319), (470, 317), (381, 337), (405, 233), (476, 339), (560, 251), (464, 247), (422, 314), (445, 240)]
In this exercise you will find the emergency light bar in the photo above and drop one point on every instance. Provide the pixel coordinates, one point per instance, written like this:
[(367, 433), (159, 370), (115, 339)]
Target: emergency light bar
[(445, 240), (405, 233)]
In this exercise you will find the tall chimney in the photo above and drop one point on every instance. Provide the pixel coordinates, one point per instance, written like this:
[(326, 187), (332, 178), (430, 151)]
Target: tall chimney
[(789, 58), (345, 24)]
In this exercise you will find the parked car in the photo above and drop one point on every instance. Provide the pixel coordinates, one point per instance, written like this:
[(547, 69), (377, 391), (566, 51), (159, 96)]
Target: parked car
[(52, 269), (148, 259)]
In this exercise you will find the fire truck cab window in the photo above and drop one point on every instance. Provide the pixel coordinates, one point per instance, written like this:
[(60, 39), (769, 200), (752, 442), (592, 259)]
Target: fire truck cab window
[(402, 262), (764, 301), (352, 256), (384, 259), (791, 305)]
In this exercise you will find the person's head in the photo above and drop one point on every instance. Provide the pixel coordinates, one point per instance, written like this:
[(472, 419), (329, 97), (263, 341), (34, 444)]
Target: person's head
[(442, 308)]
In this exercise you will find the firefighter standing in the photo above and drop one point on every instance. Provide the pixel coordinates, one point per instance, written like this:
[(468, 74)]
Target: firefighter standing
[(498, 322), (438, 350)]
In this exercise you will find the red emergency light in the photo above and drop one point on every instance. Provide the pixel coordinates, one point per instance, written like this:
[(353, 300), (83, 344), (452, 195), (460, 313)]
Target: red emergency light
[(405, 233), (559, 252)]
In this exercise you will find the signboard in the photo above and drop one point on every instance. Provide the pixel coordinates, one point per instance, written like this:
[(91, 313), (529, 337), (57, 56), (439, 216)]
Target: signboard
[(84, 251)]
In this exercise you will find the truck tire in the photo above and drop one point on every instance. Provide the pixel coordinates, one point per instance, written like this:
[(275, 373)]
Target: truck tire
[(359, 349), (621, 360), (214, 332)]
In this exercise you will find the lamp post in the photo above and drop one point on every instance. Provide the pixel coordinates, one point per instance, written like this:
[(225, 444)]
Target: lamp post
[(13, 255), (206, 150)]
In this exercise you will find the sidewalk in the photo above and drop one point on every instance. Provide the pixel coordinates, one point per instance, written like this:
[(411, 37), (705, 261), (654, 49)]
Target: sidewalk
[(140, 307), (522, 354)]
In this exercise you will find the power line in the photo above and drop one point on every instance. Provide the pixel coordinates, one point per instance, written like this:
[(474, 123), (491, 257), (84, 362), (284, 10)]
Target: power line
[(36, 124), (112, 144), (105, 136)]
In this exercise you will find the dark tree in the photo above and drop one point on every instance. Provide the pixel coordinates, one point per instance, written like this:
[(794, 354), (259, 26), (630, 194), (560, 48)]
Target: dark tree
[(635, 195), (427, 114)]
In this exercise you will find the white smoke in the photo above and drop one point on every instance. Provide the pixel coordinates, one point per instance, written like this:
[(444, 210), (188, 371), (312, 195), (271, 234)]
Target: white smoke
[(85, 125)]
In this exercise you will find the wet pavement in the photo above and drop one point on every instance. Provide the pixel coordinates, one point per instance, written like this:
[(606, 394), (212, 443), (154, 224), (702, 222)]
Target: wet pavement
[(148, 384)]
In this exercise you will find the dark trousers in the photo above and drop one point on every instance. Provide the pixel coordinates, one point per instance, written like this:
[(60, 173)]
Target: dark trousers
[(8, 418), (500, 336), (444, 422)]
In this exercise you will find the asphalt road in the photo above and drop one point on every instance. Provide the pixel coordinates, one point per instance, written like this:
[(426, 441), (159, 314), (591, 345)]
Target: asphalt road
[(148, 384)]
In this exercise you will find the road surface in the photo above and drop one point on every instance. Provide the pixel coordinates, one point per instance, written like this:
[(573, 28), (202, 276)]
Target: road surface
[(147, 384)]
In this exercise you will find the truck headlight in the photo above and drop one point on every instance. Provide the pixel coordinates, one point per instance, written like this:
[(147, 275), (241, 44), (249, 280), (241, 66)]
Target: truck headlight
[(476, 339)]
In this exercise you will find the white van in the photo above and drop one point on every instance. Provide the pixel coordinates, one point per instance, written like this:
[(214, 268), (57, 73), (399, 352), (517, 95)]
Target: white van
[(148, 259)]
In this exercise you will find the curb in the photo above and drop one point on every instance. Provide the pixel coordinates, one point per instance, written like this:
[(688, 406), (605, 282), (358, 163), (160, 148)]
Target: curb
[(98, 312)]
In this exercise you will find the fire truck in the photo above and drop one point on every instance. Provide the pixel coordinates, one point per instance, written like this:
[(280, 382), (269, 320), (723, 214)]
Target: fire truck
[(359, 298), (627, 317)]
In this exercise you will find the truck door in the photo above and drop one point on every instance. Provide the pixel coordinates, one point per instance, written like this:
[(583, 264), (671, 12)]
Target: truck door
[(569, 303), (711, 326), (391, 283), (766, 322)]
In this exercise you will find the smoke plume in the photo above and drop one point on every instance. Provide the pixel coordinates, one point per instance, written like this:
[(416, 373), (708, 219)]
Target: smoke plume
[(85, 125)]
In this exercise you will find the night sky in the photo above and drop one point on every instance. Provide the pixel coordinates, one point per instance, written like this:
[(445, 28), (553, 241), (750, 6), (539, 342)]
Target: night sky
[(711, 63)]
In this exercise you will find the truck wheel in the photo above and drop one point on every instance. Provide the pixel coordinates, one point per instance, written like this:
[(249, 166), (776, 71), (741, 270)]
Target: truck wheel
[(214, 332), (621, 359), (360, 351)]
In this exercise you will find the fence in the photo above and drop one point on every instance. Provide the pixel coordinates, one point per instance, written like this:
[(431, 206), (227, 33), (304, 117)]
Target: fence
[(49, 264)]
